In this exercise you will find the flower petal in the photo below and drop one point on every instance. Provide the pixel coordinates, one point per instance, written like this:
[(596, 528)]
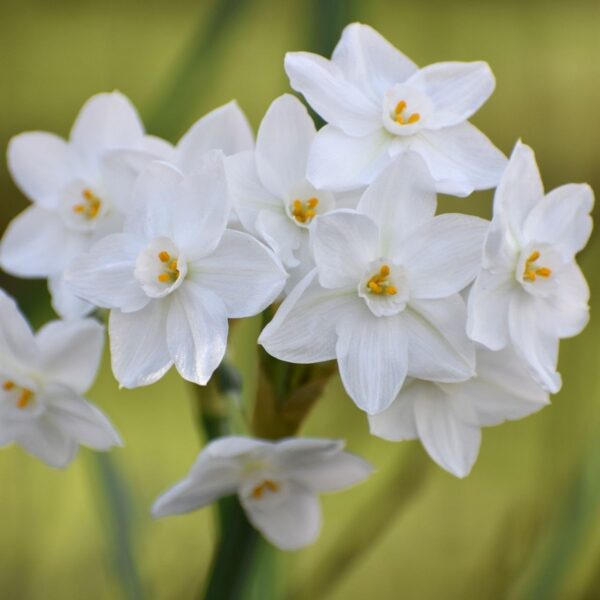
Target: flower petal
[(196, 332), (41, 165), (282, 236), (46, 441), (284, 138), (457, 90), (397, 423), (331, 94), (65, 303), (17, 342), (138, 345)]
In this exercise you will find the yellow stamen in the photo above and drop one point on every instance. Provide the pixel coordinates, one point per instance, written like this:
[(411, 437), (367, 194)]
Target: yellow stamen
[(533, 256), (391, 290), (170, 273), (8, 385), (92, 207), (399, 117), (304, 212), (413, 118), (78, 208), (531, 271), (379, 283), (164, 278), (24, 398), (164, 256), (400, 107), (543, 272), (267, 485)]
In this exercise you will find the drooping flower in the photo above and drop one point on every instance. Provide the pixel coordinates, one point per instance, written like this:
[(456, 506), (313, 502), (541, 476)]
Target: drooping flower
[(447, 417), (270, 191), (384, 296), (175, 275), (77, 197), (378, 104), (277, 483), (530, 291), (42, 381)]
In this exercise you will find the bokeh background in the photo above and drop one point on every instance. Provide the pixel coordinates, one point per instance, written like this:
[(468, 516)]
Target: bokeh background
[(524, 524)]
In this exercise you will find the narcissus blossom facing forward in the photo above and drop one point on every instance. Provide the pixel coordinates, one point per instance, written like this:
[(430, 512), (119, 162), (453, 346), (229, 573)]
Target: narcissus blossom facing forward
[(270, 191), (384, 297), (447, 417), (42, 379), (77, 196), (175, 275), (379, 104), (531, 292), (277, 483)]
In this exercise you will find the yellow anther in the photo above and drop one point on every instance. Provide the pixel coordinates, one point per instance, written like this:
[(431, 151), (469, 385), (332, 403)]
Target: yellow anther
[(313, 202), (399, 117), (413, 118), (533, 256), (268, 485), (164, 278), (173, 265), (531, 271), (391, 290), (543, 272), (164, 256), (384, 271), (24, 398), (92, 205), (400, 107), (8, 385), (170, 272), (304, 212), (379, 283), (78, 208)]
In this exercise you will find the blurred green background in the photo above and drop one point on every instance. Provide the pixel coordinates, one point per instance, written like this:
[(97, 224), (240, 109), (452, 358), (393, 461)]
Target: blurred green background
[(524, 524)]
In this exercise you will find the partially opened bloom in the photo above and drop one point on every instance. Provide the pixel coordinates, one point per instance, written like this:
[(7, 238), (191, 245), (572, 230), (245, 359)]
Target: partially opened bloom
[(175, 275), (277, 483), (42, 381), (77, 197), (384, 296), (271, 194), (530, 291), (447, 417), (379, 104)]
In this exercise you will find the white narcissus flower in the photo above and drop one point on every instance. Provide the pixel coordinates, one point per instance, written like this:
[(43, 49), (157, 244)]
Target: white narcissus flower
[(175, 275), (277, 483), (530, 291), (77, 197), (270, 192), (42, 381), (384, 297), (379, 104), (447, 417)]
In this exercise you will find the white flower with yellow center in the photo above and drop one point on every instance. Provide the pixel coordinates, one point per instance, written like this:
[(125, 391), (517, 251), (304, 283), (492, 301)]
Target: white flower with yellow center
[(378, 104), (448, 417), (384, 296), (77, 196), (175, 275), (42, 380), (531, 292), (277, 483), (270, 191)]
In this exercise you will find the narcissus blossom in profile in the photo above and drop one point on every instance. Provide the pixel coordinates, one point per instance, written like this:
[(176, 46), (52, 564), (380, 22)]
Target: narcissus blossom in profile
[(77, 196), (447, 417), (175, 275), (384, 296), (42, 381), (379, 104), (531, 292), (277, 483), (270, 191)]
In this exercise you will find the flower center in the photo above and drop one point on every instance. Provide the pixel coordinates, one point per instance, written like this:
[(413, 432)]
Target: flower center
[(268, 485), (380, 284), (90, 207), (24, 396), (401, 115), (170, 272), (304, 212), (532, 270)]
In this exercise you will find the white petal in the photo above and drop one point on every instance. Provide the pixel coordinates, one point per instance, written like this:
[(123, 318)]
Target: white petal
[(343, 243), (282, 236), (331, 94), (80, 420), (41, 164), (196, 332), (339, 162), (562, 219), (284, 138), (234, 446), (443, 256), (17, 342), (37, 244), (138, 345), (106, 122), (399, 200), (372, 357), (225, 128), (47, 442), (397, 423), (438, 347), (65, 303), (370, 61), (292, 524), (451, 442), (457, 89), (489, 301), (105, 274), (300, 452), (303, 329), (460, 158), (71, 352), (243, 273)]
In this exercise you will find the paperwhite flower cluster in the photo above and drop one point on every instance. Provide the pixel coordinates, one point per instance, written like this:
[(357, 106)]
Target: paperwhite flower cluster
[(440, 323)]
